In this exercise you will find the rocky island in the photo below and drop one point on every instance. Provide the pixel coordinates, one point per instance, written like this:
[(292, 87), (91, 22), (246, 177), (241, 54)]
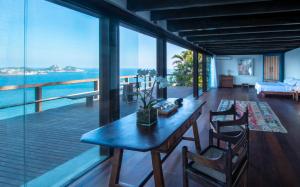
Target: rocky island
[(38, 71)]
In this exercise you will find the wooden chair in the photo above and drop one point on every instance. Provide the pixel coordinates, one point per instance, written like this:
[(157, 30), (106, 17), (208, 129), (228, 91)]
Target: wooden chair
[(215, 165), (224, 126)]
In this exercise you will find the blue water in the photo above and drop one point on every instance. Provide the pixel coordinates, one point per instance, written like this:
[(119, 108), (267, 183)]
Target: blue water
[(27, 95)]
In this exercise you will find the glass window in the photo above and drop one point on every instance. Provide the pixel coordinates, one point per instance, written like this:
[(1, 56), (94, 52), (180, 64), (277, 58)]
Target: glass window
[(12, 62), (137, 52), (200, 73), (179, 71), (63, 71), (55, 57), (208, 72)]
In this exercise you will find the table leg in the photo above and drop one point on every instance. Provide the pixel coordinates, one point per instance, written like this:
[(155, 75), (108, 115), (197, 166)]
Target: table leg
[(116, 167), (157, 169), (196, 137)]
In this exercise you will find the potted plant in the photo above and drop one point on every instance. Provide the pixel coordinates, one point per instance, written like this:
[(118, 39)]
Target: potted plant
[(147, 114)]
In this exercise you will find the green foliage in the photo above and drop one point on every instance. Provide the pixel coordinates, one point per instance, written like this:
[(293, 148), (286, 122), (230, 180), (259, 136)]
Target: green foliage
[(183, 71)]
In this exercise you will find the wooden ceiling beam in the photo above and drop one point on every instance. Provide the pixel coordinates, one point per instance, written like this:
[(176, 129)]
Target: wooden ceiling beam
[(147, 5), (289, 34), (272, 41), (246, 52), (226, 10), (260, 20), (247, 30), (250, 46), (247, 40)]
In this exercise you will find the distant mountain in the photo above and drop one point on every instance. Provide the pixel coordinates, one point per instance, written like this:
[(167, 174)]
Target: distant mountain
[(73, 69), (56, 68), (32, 71)]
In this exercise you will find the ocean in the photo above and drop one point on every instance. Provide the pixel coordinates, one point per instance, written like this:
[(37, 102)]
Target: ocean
[(20, 96)]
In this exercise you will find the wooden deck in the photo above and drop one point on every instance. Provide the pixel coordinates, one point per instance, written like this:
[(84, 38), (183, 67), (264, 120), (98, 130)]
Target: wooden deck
[(274, 157), (51, 138)]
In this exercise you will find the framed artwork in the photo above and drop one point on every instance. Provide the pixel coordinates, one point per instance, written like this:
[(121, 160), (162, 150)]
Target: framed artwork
[(245, 66)]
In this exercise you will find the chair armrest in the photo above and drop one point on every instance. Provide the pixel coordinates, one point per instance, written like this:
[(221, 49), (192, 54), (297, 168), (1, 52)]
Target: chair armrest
[(217, 164)]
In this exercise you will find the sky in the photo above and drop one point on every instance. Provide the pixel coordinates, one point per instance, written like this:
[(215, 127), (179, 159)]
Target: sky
[(52, 34)]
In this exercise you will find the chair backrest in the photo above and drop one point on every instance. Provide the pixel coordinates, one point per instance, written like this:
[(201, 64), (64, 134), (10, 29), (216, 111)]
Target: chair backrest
[(230, 111), (244, 120)]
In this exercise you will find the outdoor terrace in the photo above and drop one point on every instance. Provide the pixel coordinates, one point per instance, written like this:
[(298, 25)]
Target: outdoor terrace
[(49, 140)]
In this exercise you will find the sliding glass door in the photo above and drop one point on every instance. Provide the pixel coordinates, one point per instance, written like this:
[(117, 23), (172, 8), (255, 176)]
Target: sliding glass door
[(209, 72), (179, 71), (12, 98), (200, 73), (49, 81), (137, 54)]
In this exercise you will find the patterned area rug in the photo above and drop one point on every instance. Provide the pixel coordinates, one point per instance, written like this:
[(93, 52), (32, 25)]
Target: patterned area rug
[(261, 116)]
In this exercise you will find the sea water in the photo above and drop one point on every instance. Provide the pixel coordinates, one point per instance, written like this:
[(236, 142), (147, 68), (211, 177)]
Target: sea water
[(21, 96)]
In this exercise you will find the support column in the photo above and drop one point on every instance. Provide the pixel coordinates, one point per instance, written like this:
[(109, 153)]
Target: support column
[(195, 74), (109, 93), (161, 47)]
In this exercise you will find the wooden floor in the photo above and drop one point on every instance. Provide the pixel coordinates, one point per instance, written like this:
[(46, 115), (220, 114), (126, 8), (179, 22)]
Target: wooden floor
[(274, 157), (52, 137)]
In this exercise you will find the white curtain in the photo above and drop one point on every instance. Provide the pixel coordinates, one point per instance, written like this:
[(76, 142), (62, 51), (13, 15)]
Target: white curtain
[(214, 80)]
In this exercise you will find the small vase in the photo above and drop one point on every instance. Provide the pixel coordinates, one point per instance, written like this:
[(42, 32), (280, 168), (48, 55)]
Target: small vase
[(147, 117)]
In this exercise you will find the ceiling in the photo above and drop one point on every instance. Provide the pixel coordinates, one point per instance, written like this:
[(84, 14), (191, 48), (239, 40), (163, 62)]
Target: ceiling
[(229, 26)]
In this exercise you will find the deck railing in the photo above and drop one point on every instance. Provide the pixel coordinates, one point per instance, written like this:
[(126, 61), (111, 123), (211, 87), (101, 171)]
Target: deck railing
[(38, 89)]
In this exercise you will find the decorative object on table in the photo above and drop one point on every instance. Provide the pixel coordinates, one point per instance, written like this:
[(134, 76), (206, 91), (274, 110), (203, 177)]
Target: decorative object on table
[(178, 102), (245, 66), (261, 115), (147, 114), (166, 108)]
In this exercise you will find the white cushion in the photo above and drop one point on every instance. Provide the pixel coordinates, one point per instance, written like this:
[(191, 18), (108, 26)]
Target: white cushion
[(298, 82), (297, 88), (290, 81)]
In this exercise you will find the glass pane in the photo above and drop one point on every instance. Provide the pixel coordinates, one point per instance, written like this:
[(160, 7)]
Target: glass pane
[(137, 52), (12, 165), (63, 73), (208, 72), (179, 71), (200, 73)]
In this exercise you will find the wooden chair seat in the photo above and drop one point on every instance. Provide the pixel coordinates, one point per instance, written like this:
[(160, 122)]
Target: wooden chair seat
[(211, 153)]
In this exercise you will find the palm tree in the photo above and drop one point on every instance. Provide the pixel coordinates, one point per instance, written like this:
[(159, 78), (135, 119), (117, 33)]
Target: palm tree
[(183, 71)]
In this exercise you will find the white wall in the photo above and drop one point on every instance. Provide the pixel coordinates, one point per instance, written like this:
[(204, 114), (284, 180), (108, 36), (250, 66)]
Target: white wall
[(223, 65), (292, 64)]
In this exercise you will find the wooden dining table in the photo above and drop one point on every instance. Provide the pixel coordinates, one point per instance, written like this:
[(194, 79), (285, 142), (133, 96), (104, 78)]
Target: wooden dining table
[(163, 137)]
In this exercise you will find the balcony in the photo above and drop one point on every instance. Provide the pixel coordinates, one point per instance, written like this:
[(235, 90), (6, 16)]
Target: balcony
[(52, 148)]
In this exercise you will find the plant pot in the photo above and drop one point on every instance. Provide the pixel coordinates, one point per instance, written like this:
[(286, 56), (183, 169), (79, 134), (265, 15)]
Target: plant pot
[(147, 117)]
